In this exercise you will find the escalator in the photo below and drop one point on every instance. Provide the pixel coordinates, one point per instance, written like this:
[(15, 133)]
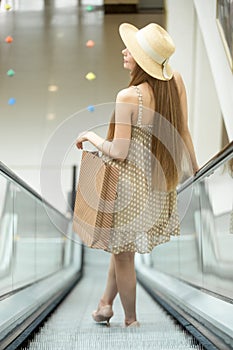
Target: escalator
[(39, 262), (71, 325), (185, 287)]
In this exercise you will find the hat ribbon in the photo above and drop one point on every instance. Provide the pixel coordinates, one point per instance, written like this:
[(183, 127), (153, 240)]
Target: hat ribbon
[(164, 65), (152, 53)]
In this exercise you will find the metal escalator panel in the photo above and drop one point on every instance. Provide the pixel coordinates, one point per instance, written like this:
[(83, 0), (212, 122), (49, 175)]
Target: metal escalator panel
[(202, 255), (206, 241), (33, 235), (36, 247), (194, 271)]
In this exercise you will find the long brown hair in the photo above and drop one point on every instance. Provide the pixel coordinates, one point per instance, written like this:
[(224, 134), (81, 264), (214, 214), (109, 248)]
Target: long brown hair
[(167, 105)]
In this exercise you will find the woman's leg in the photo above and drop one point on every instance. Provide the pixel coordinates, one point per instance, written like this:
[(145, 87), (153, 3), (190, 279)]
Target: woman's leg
[(111, 286), (126, 284)]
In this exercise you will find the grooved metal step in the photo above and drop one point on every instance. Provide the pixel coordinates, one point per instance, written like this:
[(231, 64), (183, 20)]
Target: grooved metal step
[(71, 325)]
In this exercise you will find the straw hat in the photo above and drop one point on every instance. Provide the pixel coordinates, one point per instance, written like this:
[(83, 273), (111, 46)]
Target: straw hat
[(151, 48)]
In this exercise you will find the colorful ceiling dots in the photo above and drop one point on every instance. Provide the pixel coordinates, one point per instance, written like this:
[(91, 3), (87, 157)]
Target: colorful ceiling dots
[(90, 76), (10, 73), (89, 8), (90, 43), (8, 39), (11, 101), (7, 7), (91, 108)]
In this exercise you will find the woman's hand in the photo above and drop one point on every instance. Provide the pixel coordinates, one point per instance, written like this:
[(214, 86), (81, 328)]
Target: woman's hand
[(81, 138)]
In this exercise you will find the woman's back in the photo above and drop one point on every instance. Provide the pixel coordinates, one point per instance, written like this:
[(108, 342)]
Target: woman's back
[(145, 212)]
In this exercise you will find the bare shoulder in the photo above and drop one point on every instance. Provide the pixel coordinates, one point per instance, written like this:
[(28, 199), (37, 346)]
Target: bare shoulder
[(179, 81), (177, 77), (127, 95)]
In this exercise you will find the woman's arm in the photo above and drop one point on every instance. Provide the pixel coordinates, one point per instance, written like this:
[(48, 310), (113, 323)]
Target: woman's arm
[(186, 133), (117, 148)]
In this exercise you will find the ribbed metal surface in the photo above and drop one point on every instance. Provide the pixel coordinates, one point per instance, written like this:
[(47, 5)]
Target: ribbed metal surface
[(71, 325)]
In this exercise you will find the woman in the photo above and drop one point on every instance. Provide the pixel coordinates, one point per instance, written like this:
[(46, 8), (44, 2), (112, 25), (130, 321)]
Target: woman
[(146, 139)]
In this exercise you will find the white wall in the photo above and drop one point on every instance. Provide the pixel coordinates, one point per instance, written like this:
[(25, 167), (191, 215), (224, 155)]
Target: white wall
[(201, 59), (206, 112), (220, 67), (180, 25)]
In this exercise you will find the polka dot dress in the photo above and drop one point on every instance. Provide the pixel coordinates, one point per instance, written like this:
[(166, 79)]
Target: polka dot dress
[(143, 217)]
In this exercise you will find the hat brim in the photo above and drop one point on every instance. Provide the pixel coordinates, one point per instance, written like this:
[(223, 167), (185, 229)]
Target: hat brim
[(128, 35)]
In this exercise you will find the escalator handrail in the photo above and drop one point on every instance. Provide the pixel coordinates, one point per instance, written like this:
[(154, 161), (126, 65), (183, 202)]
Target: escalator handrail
[(209, 167), (4, 169)]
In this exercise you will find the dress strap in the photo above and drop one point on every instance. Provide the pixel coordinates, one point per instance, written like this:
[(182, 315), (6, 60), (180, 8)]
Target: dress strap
[(140, 109)]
